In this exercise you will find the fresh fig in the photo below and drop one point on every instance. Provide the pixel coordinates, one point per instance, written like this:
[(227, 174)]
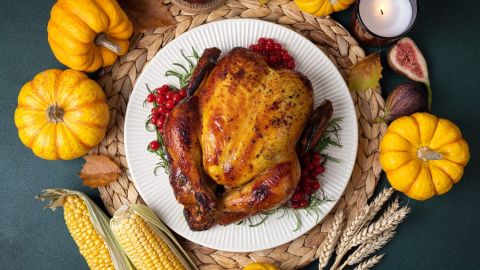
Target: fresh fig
[(405, 58), (405, 100)]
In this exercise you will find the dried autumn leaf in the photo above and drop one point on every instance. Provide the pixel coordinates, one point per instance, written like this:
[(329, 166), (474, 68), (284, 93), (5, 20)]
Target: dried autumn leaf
[(99, 170), (146, 14), (365, 74)]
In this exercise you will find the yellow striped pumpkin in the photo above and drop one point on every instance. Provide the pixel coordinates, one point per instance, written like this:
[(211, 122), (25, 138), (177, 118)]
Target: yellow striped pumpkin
[(61, 114), (423, 155), (88, 34), (323, 7)]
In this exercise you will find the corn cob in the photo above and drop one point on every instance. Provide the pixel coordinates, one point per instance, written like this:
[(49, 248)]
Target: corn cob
[(147, 242), (89, 228), (91, 244)]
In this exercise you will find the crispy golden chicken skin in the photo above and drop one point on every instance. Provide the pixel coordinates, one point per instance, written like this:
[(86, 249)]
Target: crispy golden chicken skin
[(231, 144)]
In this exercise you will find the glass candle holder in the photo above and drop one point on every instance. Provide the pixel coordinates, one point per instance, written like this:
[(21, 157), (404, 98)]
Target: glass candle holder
[(380, 22), (198, 1)]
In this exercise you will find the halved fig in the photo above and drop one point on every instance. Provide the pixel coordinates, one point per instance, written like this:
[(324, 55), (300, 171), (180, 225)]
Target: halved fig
[(405, 58)]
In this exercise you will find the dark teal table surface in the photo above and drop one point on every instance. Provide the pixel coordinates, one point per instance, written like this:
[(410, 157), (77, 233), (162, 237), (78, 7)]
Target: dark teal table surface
[(442, 233)]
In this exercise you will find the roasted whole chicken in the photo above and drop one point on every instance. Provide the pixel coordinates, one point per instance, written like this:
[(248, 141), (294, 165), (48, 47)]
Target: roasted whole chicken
[(232, 144)]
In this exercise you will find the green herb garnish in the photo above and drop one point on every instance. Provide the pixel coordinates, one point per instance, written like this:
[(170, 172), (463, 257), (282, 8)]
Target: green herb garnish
[(183, 75)]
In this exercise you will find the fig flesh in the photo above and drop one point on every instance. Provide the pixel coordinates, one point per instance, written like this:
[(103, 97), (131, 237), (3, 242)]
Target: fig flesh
[(405, 100), (405, 58)]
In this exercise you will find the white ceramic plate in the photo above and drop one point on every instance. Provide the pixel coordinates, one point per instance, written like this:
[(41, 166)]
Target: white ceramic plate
[(156, 191)]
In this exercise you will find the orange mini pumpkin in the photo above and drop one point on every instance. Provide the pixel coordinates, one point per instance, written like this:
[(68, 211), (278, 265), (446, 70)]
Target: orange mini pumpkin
[(61, 114), (423, 155), (323, 7), (86, 35)]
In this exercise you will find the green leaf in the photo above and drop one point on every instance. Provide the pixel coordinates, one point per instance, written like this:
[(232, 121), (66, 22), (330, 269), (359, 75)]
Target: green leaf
[(365, 74)]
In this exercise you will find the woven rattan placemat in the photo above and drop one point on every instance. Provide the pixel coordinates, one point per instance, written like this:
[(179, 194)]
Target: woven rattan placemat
[(332, 39)]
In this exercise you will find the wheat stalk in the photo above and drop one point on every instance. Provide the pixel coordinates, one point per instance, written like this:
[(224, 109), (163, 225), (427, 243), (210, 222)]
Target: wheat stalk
[(392, 208), (369, 236), (331, 240), (388, 221), (351, 230), (365, 265), (367, 249), (370, 247), (367, 214), (378, 203)]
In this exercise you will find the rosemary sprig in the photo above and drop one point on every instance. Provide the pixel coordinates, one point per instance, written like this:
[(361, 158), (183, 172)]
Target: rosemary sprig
[(331, 135), (315, 201), (183, 75), (162, 153), (312, 209)]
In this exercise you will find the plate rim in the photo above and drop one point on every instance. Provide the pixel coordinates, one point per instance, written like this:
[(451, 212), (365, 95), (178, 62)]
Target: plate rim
[(329, 62)]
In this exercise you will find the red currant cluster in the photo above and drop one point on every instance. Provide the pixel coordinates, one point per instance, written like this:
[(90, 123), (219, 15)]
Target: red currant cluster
[(312, 166), (273, 53), (164, 100)]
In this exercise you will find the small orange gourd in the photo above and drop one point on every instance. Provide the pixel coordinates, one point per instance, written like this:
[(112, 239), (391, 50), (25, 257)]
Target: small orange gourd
[(323, 7), (423, 155), (260, 266), (61, 114), (86, 35)]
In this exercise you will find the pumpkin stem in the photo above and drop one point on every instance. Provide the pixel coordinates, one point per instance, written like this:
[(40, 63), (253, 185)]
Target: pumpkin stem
[(424, 153), (102, 40), (55, 114)]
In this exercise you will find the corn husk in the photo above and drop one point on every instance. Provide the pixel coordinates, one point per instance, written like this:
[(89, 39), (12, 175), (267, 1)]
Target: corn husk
[(99, 220), (160, 229)]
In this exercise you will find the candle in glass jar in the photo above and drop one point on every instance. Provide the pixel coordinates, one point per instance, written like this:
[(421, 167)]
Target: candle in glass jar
[(386, 18)]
